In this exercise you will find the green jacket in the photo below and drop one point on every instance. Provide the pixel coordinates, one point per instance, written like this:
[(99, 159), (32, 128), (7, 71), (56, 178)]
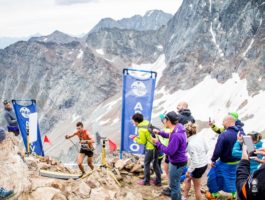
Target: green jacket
[(217, 129), (144, 136), (164, 141)]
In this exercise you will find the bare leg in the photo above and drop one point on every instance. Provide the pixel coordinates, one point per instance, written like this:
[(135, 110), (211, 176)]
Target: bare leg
[(80, 160), (90, 162), (166, 169), (187, 186), (197, 188)]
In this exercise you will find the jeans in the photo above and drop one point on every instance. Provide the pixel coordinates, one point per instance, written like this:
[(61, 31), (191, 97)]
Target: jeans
[(174, 181), (151, 155)]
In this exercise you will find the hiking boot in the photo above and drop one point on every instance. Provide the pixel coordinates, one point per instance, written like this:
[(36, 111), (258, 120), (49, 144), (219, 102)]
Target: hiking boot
[(209, 196), (5, 194), (167, 192), (143, 183), (153, 182)]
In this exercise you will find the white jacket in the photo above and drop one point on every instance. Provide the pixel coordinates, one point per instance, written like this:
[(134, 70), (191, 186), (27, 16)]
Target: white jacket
[(197, 149)]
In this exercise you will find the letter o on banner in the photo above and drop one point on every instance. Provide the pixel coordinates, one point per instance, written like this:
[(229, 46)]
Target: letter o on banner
[(135, 147)]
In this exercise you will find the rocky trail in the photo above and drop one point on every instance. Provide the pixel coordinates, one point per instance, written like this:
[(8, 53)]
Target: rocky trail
[(21, 173)]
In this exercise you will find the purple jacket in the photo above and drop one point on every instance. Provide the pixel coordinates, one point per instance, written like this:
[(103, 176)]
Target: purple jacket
[(176, 149)]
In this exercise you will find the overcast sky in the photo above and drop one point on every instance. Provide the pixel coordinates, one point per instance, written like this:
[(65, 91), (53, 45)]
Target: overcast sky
[(19, 18)]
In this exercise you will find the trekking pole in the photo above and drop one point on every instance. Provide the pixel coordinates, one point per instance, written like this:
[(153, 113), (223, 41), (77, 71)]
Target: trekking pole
[(76, 147)]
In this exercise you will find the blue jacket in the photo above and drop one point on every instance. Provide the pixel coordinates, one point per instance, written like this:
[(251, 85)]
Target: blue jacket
[(237, 152), (240, 125), (224, 146)]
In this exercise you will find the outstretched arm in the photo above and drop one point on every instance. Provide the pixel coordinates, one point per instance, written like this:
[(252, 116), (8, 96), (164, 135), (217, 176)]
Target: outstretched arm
[(70, 136)]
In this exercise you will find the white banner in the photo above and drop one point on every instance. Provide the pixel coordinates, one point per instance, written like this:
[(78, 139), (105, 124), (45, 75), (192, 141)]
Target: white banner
[(33, 127)]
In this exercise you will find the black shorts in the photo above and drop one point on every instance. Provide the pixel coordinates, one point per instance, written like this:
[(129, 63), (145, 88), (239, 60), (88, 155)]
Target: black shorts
[(166, 159), (198, 172), (87, 152)]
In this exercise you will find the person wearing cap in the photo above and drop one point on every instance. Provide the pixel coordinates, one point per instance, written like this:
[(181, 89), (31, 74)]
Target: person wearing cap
[(237, 149), (176, 151), (184, 113), (151, 152), (164, 141), (220, 130), (250, 186), (222, 175), (10, 117)]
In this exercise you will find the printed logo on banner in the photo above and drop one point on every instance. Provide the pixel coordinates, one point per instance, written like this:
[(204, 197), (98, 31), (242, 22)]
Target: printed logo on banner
[(24, 112), (139, 88)]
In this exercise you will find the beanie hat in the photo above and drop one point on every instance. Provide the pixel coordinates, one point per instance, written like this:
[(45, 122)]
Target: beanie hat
[(234, 115), (5, 102)]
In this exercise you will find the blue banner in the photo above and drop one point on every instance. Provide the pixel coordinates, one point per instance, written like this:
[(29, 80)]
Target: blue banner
[(137, 97), (23, 113)]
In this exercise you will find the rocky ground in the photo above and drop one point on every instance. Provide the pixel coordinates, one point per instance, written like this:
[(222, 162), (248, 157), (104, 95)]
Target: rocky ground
[(21, 173)]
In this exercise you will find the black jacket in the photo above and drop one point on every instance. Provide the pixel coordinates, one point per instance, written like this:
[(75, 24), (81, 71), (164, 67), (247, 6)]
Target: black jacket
[(252, 183), (185, 116)]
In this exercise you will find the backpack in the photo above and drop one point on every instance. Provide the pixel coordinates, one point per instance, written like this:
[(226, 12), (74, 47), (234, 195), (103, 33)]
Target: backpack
[(150, 129)]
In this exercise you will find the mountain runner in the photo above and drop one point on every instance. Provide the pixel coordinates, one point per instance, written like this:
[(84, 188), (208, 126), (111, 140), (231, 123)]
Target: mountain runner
[(86, 149)]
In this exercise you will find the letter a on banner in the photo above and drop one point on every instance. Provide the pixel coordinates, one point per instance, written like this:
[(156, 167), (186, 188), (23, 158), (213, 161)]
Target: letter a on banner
[(26, 113), (137, 97)]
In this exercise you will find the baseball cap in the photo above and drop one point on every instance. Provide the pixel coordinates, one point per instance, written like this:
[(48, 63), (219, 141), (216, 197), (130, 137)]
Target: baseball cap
[(172, 116)]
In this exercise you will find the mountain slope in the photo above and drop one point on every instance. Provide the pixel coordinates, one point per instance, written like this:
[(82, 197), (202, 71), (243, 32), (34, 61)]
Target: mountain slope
[(216, 38), (56, 37), (60, 77), (152, 20)]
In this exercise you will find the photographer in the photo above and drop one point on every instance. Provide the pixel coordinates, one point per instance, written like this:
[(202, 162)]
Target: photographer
[(151, 152), (250, 186), (176, 151)]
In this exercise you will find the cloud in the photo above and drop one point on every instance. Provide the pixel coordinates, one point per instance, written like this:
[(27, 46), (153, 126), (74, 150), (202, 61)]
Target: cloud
[(71, 2)]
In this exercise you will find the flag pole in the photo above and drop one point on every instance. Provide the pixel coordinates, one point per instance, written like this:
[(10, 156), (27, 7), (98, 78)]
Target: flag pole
[(28, 143)]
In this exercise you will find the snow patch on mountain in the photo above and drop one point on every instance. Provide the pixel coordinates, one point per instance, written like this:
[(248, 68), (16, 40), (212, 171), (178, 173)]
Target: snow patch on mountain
[(158, 66), (100, 51), (212, 99), (80, 54), (249, 47)]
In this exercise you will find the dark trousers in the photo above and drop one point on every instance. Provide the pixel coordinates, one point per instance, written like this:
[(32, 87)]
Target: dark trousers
[(151, 155)]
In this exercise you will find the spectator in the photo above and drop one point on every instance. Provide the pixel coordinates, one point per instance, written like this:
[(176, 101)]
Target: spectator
[(176, 151), (151, 152), (9, 115), (222, 176), (250, 186), (237, 149), (197, 149), (220, 130), (184, 113)]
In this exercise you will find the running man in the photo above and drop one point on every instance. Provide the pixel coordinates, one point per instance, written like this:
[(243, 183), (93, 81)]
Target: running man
[(87, 148)]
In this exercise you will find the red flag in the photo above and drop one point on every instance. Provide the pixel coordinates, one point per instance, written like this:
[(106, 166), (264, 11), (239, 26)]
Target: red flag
[(46, 139), (112, 146)]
